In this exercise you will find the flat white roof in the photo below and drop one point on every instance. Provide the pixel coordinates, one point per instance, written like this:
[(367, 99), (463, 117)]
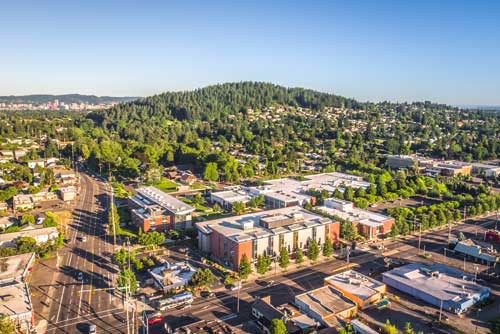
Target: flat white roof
[(231, 196), (151, 195), (232, 227), (15, 299), (13, 268), (356, 283), (438, 280), (364, 217)]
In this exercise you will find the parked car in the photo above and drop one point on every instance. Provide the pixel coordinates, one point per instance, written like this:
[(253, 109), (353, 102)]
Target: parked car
[(79, 276), (155, 320)]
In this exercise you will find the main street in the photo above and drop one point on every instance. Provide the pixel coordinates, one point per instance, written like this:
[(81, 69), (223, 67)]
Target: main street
[(75, 304)]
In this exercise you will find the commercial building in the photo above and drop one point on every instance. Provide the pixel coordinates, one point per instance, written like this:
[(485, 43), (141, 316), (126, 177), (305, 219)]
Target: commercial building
[(205, 327), (154, 210), (485, 169), (67, 194), (295, 321), (266, 232), (168, 276), (287, 192), (225, 199), (326, 305), (359, 288), (453, 168), (477, 251), (15, 299), (369, 224), (439, 285), (40, 235)]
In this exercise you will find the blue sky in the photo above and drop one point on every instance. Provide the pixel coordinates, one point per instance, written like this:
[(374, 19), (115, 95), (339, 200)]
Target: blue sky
[(444, 51)]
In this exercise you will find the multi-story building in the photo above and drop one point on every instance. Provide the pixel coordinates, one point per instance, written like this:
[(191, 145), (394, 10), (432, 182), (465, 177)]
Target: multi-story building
[(369, 224), (266, 232), (154, 210), (228, 197)]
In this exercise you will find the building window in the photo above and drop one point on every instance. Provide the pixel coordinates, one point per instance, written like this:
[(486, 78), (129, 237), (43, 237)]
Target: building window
[(314, 233), (327, 231), (296, 240), (281, 241)]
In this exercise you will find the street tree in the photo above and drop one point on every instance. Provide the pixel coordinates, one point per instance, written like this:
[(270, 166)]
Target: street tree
[(299, 256), (202, 278), (6, 325), (284, 258), (328, 247), (245, 269), (313, 251)]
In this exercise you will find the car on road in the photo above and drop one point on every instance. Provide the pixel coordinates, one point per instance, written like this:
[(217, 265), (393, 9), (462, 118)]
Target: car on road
[(92, 329), (79, 276), (83, 239), (233, 287), (155, 319), (207, 294)]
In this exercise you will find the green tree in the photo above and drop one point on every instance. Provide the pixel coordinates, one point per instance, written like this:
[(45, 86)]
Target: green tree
[(6, 325), (245, 269), (347, 330), (27, 219), (328, 247), (151, 238), (277, 326), (347, 230), (26, 245), (202, 278), (313, 250), (299, 256), (263, 263), (127, 280), (349, 194), (408, 329), (389, 328), (238, 208), (284, 258), (211, 172)]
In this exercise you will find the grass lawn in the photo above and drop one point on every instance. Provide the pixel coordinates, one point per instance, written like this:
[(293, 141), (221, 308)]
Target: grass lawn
[(166, 185), (62, 217)]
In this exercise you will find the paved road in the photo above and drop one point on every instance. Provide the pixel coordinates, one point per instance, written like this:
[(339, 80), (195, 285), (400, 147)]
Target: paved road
[(75, 304)]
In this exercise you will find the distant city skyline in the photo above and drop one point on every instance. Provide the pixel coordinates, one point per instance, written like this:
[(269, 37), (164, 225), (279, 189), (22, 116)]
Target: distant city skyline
[(446, 52)]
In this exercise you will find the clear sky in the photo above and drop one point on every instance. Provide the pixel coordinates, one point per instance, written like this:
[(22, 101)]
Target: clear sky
[(444, 51)]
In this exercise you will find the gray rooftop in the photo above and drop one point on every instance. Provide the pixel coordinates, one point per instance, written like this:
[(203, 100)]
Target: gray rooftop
[(150, 196), (355, 283), (438, 280)]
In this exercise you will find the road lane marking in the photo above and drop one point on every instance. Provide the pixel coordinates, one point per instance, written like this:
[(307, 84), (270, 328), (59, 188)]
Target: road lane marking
[(60, 303)]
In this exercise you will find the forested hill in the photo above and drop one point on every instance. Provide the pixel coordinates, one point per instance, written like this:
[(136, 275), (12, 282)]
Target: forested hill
[(217, 101), (67, 98)]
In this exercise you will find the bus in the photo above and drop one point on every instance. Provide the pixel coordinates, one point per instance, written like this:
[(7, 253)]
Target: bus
[(174, 301)]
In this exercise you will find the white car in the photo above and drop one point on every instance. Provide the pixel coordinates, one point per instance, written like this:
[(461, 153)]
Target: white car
[(79, 276), (84, 239)]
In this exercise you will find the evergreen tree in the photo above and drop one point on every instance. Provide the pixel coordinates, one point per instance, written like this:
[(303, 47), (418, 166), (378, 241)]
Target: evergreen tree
[(245, 268), (328, 247), (299, 256), (284, 258), (211, 173), (313, 251)]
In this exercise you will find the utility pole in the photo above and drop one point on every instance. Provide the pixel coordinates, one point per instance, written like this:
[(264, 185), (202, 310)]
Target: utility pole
[(441, 310), (419, 237), (112, 209), (239, 288)]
